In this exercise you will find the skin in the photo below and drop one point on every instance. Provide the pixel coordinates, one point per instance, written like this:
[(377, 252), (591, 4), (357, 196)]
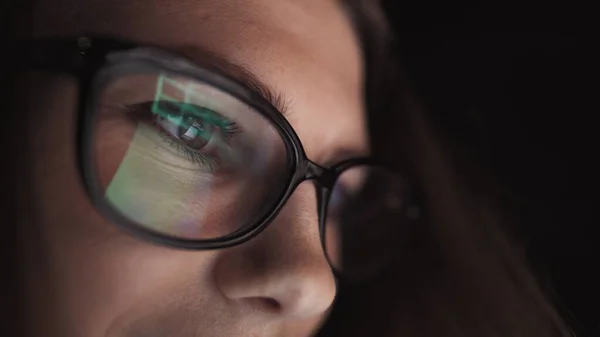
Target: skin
[(91, 279)]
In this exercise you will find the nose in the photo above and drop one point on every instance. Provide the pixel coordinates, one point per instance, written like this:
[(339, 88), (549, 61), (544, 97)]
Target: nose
[(283, 271)]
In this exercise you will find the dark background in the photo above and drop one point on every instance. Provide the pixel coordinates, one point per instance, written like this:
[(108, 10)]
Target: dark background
[(518, 84)]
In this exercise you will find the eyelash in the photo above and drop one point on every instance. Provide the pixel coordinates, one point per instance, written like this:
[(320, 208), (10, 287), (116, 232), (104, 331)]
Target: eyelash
[(193, 156), (143, 113), (230, 130)]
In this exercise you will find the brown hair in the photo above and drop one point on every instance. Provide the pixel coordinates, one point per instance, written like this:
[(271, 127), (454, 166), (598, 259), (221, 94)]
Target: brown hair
[(462, 272)]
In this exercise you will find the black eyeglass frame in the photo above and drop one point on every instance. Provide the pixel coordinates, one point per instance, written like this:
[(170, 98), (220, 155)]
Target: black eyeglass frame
[(88, 59)]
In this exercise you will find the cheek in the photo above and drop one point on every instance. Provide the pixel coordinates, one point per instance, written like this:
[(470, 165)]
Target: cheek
[(51, 136), (96, 273), (160, 190), (62, 205)]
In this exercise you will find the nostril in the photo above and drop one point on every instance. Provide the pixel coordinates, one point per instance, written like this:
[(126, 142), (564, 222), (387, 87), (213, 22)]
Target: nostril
[(265, 304), (273, 304)]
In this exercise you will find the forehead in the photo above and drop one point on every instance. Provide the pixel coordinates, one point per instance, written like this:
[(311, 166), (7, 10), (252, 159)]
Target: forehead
[(306, 49)]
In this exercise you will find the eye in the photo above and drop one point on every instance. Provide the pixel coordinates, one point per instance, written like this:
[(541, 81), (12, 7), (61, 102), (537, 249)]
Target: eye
[(193, 132), (339, 197), (192, 125), (197, 135)]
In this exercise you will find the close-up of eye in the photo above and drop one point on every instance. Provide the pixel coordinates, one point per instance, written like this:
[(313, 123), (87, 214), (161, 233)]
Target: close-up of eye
[(165, 163), (192, 130)]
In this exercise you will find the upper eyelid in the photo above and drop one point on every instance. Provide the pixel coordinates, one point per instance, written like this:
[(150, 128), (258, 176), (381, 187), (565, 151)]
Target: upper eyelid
[(220, 120)]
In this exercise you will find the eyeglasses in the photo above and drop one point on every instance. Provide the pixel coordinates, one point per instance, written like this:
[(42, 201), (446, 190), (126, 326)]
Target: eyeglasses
[(186, 156)]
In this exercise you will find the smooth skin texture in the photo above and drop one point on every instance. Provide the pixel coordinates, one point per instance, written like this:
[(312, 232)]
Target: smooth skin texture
[(90, 279)]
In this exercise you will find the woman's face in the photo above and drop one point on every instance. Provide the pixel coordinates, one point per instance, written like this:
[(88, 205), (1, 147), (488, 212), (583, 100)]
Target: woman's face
[(92, 279)]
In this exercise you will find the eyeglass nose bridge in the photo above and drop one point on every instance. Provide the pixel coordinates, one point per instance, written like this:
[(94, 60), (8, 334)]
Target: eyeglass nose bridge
[(322, 176)]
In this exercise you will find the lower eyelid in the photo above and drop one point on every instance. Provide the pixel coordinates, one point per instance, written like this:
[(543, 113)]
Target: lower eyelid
[(163, 142), (190, 154)]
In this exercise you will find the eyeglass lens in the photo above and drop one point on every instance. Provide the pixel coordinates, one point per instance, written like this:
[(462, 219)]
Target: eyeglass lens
[(184, 159), (364, 223)]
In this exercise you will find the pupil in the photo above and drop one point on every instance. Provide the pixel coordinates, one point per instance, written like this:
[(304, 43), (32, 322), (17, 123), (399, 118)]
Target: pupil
[(195, 133)]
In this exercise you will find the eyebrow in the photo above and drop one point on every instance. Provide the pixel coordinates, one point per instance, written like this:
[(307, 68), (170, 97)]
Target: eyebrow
[(237, 72), (246, 77)]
